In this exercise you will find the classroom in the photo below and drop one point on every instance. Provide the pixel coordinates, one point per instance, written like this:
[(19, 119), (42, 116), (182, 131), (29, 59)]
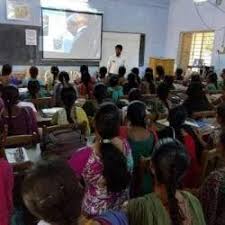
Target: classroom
[(112, 112)]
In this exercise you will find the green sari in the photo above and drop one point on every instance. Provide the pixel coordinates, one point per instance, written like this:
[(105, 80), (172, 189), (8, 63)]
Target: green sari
[(149, 210)]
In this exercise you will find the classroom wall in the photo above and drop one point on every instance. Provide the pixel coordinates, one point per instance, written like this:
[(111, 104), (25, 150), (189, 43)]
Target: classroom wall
[(184, 17), (142, 16)]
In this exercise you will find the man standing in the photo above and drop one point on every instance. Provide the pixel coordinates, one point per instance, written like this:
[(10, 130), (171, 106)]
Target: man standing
[(116, 61)]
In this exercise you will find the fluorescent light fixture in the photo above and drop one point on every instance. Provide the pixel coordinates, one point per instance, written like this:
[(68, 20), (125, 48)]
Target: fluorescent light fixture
[(200, 1)]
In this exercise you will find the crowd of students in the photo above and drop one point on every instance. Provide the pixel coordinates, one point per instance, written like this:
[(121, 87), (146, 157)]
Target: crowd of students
[(132, 173)]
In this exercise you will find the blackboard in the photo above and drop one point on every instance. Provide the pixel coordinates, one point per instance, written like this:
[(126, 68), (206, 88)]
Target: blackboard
[(13, 48)]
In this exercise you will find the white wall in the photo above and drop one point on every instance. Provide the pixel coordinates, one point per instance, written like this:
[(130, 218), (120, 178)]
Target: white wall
[(183, 17), (142, 16)]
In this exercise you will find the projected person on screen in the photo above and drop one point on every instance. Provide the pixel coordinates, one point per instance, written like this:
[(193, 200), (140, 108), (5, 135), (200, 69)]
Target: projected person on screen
[(116, 61)]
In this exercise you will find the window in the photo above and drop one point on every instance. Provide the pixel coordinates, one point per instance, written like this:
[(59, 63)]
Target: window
[(196, 47)]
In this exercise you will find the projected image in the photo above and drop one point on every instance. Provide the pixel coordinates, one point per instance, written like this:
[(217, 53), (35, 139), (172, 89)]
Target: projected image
[(70, 35)]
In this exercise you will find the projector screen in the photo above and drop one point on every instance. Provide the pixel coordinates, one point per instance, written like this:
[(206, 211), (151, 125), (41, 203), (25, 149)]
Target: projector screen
[(71, 35)]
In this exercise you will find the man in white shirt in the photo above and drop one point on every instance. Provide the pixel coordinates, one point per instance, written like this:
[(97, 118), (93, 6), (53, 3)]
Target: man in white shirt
[(116, 61)]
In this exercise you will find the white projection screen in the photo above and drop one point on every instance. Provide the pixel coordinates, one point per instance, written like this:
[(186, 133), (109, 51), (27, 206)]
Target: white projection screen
[(71, 35)]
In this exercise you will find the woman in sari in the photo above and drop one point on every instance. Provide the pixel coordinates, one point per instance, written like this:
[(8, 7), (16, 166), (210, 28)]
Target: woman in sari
[(167, 205), (53, 194)]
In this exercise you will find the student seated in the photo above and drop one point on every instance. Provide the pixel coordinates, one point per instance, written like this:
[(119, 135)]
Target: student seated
[(102, 75), (115, 91), (196, 100), (70, 113), (179, 74), (211, 193), (52, 193), (33, 77), (212, 83), (6, 192), (20, 120), (131, 83), (64, 82), (86, 85), (106, 166), (148, 85), (51, 78), (190, 139), (168, 204), (160, 73), (122, 73), (142, 142), (7, 77), (136, 71)]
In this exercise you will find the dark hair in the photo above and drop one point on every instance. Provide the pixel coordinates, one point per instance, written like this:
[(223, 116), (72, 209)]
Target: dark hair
[(10, 96), (136, 114), (33, 72), (64, 77), (119, 47), (122, 71), (132, 82), (52, 193), (160, 72), (85, 77), (134, 94), (68, 96), (34, 88), (115, 172), (149, 77), (136, 71), (178, 74), (6, 70), (212, 77), (170, 160), (221, 112), (102, 72), (100, 92), (163, 93), (113, 81), (168, 80), (195, 77), (55, 72)]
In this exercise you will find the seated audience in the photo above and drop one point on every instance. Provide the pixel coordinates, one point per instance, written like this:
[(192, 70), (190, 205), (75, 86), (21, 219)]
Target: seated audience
[(51, 78), (115, 91), (148, 86), (190, 139), (212, 194), (196, 100), (122, 73), (7, 77), (70, 113), (33, 77), (160, 73), (64, 82), (195, 77), (212, 83), (20, 120), (131, 83), (6, 192), (54, 196), (168, 80), (102, 75), (142, 142), (136, 71), (179, 74), (106, 166), (86, 86), (168, 204)]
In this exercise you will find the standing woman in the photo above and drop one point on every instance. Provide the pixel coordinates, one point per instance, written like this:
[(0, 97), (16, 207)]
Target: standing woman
[(168, 205), (106, 166)]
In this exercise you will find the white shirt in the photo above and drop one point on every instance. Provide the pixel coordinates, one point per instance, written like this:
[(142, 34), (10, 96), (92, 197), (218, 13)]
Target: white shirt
[(115, 63)]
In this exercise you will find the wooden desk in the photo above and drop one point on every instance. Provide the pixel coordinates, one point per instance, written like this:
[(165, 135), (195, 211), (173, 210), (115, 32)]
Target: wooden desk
[(42, 121)]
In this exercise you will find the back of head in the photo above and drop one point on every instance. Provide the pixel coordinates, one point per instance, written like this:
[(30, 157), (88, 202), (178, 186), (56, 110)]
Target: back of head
[(169, 80), (179, 73), (132, 80), (6, 70), (52, 193), (163, 91), (55, 70), (107, 124), (102, 72), (149, 74), (160, 72), (84, 69), (68, 96), (195, 91), (64, 77), (136, 71), (170, 162), (136, 114), (100, 92), (85, 76), (122, 71), (195, 77), (134, 94), (177, 117), (33, 88), (33, 72), (114, 81), (212, 78)]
